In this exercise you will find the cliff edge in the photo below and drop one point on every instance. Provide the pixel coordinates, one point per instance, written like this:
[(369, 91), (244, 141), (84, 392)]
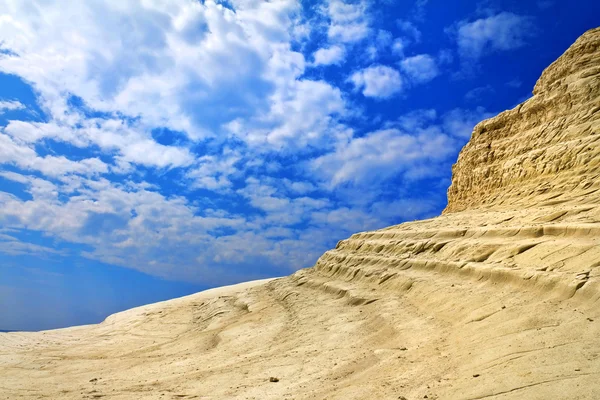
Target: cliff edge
[(545, 149)]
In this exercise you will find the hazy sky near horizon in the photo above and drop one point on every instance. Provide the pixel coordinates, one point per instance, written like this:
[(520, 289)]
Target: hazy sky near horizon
[(150, 149)]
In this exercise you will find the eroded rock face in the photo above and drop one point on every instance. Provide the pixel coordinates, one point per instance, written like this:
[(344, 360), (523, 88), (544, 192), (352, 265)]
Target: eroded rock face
[(524, 203), (547, 148)]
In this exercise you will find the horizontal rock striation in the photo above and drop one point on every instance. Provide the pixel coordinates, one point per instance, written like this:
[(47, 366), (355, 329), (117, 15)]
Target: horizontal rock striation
[(545, 150), (524, 203)]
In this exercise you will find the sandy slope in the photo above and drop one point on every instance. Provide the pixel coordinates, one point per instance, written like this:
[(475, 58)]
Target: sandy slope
[(497, 298)]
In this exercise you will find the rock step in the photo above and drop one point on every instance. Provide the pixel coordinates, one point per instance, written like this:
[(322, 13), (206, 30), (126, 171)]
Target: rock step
[(370, 270), (582, 230)]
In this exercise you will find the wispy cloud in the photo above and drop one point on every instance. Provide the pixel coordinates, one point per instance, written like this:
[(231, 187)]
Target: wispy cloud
[(409, 29), (503, 31), (15, 247), (10, 105), (460, 122), (420, 68), (477, 94)]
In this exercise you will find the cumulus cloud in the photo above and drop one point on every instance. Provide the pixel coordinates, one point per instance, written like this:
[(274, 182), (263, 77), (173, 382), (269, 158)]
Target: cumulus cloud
[(383, 154), (419, 145), (503, 31), (130, 142), (125, 224), (213, 172), (330, 55), (224, 80), (258, 151), (420, 68), (378, 81), (302, 116), (410, 36), (185, 60), (349, 21)]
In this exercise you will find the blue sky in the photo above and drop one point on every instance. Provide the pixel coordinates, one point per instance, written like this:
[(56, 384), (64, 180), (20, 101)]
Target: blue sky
[(153, 149)]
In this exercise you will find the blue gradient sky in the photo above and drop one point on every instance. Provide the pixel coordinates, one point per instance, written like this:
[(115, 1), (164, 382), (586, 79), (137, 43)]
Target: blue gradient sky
[(151, 150)]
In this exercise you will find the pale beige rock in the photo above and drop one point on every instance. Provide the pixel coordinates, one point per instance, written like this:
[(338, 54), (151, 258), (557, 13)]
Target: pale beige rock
[(545, 150), (497, 298)]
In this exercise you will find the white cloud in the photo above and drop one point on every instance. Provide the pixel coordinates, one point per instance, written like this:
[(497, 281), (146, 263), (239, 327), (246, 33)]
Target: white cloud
[(379, 81), (445, 57), (213, 172), (349, 33), (330, 55), (25, 157), (349, 21), (280, 208), (381, 155), (383, 38), (131, 143), (420, 68), (351, 219), (186, 65), (419, 145), (411, 35), (299, 187), (417, 119), (194, 67), (133, 225), (504, 31), (302, 114), (126, 225), (230, 80), (10, 105)]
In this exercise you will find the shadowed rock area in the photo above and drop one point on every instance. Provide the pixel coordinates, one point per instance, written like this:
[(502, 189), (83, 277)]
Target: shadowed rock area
[(495, 299)]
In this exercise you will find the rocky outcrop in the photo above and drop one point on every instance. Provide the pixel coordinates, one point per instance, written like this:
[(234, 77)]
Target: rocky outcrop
[(495, 299), (524, 203), (545, 150)]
